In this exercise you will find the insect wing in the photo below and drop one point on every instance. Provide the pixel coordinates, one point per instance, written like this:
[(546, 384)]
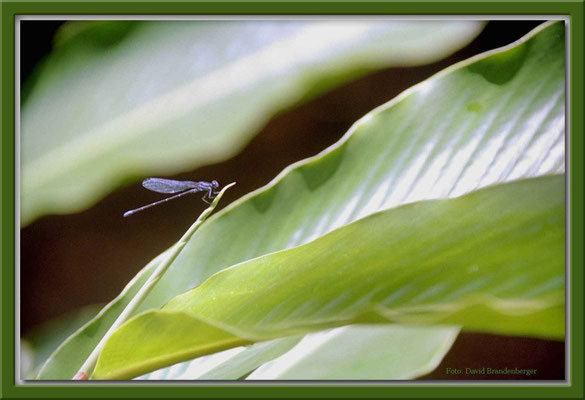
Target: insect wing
[(168, 185)]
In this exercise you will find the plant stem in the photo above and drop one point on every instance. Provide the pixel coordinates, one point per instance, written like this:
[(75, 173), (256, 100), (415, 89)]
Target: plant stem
[(89, 364)]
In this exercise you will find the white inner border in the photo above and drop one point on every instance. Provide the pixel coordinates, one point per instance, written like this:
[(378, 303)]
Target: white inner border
[(566, 19)]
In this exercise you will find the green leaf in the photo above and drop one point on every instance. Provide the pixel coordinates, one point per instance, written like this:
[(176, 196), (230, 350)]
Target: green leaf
[(454, 133), (363, 352), (491, 261), (43, 341), (176, 331), (121, 99), (351, 352), (71, 354), (226, 365), (251, 358), (161, 269)]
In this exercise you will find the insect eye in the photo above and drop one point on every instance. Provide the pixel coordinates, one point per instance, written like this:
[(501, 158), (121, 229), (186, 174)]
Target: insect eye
[(215, 184)]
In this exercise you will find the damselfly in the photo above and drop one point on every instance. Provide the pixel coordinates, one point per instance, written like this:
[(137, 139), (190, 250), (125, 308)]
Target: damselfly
[(171, 186)]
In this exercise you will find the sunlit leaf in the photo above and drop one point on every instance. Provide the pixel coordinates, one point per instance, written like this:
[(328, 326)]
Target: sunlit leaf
[(456, 132), (122, 99), (352, 352), (362, 352), (226, 365), (490, 261)]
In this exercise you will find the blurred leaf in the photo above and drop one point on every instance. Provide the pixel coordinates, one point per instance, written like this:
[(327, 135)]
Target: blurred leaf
[(453, 133), (119, 99), (26, 359), (71, 354), (363, 352), (491, 261), (43, 341)]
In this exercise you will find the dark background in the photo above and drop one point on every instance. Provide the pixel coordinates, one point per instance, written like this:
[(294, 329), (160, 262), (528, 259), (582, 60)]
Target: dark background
[(74, 260)]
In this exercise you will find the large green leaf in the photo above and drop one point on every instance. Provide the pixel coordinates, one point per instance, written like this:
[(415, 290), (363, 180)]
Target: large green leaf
[(458, 131), (363, 352), (351, 352), (491, 261), (122, 99)]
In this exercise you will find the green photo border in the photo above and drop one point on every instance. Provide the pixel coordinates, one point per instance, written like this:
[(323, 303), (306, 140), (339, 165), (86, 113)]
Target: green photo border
[(8, 387)]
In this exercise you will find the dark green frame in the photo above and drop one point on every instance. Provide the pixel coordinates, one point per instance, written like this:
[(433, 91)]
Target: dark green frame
[(8, 389)]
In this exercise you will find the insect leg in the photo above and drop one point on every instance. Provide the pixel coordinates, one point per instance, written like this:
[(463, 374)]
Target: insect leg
[(211, 194), (205, 197), (128, 213)]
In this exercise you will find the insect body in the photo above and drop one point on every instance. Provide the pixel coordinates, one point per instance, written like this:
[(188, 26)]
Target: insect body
[(161, 185)]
